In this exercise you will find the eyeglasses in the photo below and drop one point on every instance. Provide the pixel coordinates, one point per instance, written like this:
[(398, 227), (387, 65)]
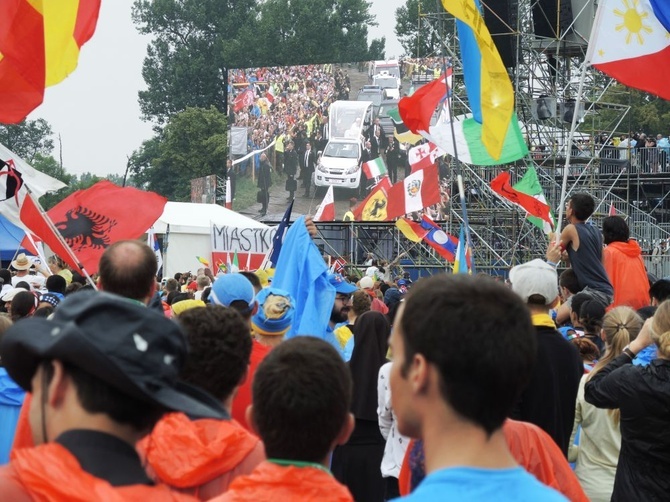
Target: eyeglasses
[(343, 298)]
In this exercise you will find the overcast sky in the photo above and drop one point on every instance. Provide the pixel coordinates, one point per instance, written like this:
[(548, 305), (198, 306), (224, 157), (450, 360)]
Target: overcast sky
[(95, 110)]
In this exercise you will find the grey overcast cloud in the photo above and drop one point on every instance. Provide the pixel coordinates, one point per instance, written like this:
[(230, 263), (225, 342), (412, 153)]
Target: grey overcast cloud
[(95, 110)]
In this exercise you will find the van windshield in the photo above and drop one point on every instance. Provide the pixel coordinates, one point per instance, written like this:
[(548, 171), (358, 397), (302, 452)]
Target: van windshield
[(375, 97), (341, 150), (386, 82)]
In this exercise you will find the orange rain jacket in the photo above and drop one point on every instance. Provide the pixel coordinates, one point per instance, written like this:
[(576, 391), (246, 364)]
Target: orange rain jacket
[(271, 482), (625, 268), (199, 457), (51, 473), (535, 451)]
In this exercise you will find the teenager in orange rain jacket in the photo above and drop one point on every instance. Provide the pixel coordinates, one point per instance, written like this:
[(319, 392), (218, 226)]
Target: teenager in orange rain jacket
[(622, 258), (102, 372), (202, 457), (532, 448), (301, 399)]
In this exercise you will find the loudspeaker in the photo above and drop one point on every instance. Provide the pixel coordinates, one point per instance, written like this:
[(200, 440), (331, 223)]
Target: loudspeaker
[(552, 17), (543, 108), (568, 110), (501, 19)]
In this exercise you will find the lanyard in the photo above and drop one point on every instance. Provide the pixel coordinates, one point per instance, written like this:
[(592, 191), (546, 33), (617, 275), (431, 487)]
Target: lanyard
[(299, 463)]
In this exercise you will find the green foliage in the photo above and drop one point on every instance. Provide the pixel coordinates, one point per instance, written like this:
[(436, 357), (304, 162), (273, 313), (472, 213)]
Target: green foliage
[(28, 139), (417, 42), (196, 40), (648, 114), (192, 145), (377, 49)]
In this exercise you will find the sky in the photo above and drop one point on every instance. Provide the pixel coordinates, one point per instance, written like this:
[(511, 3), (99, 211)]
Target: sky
[(95, 110)]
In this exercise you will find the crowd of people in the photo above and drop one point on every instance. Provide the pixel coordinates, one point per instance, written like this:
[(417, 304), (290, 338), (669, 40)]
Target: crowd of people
[(204, 387)]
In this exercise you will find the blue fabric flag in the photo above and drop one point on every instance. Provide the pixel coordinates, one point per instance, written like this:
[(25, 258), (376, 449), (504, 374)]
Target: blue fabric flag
[(279, 236), (11, 399), (472, 66), (662, 12), (302, 272)]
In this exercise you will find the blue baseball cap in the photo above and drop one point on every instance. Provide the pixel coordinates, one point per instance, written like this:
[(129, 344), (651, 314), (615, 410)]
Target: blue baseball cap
[(232, 287), (341, 285)]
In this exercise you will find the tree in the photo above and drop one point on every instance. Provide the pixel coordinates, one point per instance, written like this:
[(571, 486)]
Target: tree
[(418, 42), (28, 139), (648, 113), (377, 49), (193, 145)]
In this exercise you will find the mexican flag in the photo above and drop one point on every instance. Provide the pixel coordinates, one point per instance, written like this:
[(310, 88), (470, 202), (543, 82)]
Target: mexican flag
[(374, 168), (469, 145), (530, 184)]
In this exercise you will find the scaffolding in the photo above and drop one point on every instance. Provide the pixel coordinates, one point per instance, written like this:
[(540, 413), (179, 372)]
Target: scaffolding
[(545, 80)]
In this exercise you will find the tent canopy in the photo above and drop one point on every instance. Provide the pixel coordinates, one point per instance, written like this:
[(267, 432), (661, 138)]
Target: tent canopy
[(10, 239), (194, 218)]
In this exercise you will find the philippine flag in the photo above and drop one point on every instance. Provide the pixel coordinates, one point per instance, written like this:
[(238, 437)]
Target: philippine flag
[(630, 42)]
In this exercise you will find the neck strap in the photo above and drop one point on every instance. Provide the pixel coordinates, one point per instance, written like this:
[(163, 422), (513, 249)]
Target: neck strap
[(299, 463)]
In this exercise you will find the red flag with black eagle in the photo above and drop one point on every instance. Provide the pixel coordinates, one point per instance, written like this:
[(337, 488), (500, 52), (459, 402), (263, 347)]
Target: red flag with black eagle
[(93, 219)]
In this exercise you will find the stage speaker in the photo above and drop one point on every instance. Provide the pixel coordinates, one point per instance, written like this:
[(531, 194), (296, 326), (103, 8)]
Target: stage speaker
[(552, 17), (543, 108), (568, 110), (501, 20)]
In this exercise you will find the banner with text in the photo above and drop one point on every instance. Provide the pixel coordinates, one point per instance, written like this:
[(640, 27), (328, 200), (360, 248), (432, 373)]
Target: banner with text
[(251, 245)]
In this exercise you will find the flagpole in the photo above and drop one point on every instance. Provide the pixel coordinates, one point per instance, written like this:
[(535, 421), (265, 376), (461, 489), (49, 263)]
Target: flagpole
[(60, 238)]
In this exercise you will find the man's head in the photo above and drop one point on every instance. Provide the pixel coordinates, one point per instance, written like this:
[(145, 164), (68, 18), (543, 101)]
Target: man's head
[(659, 291), (580, 207), (254, 279), (56, 284), (446, 323), (615, 229), (219, 349), (536, 282), (342, 304), (101, 356), (128, 268), (264, 157), (301, 400), (568, 283), (308, 146), (171, 285), (22, 264), (201, 282), (235, 291)]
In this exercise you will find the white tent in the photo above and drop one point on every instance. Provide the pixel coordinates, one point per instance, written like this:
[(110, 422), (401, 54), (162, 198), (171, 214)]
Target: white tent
[(185, 227)]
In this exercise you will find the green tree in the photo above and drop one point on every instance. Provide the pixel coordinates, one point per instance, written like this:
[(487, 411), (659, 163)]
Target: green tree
[(377, 49), (192, 145), (649, 114), (28, 139), (418, 42)]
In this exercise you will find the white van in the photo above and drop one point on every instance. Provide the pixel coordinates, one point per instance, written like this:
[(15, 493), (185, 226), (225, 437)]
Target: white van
[(389, 84), (340, 162)]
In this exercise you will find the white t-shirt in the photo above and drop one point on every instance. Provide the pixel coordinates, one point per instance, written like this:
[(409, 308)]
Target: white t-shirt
[(36, 281), (396, 443)]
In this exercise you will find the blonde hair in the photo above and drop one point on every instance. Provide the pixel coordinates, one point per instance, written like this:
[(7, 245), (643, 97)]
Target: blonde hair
[(660, 329), (621, 326)]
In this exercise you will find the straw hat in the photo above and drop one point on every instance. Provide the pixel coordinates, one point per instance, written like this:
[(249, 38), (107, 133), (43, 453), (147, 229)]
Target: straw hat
[(22, 262)]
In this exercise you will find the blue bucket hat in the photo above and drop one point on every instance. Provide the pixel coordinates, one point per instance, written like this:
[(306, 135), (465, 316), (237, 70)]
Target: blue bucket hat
[(341, 285), (275, 312)]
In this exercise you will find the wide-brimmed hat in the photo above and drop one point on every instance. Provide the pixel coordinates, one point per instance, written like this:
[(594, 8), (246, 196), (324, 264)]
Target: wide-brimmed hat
[(10, 294), (22, 262), (126, 345), (275, 313)]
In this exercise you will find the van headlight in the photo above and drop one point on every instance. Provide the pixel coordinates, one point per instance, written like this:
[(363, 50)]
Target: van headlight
[(353, 169), (320, 168)]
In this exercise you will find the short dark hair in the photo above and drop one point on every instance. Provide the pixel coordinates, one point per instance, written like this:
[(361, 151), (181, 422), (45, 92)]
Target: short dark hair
[(56, 284), (590, 312), (23, 305), (615, 229), (22, 285), (583, 205), (245, 310), (253, 279), (97, 396), (171, 285), (660, 290), (360, 302), (568, 280), (128, 268), (220, 347), (6, 276), (301, 395), (453, 320)]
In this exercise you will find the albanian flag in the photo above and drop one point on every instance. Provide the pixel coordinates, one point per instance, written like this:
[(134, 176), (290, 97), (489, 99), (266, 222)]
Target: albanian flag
[(40, 42), (93, 219)]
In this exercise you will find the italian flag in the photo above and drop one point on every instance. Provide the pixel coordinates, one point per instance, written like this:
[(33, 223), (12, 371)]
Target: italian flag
[(326, 211), (530, 184), (374, 168), (469, 144)]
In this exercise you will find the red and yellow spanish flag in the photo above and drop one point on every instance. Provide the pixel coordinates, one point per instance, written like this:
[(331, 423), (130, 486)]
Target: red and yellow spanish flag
[(40, 42)]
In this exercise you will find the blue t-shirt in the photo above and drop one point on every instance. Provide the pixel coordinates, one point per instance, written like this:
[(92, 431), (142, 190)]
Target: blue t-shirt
[(466, 484)]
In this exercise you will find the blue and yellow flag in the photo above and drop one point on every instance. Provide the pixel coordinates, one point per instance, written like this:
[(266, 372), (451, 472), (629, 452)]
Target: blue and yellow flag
[(487, 83)]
